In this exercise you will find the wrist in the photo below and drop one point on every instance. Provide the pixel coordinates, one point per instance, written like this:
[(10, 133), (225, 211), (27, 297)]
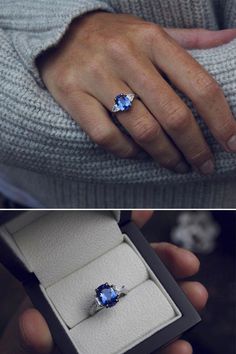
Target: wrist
[(44, 59)]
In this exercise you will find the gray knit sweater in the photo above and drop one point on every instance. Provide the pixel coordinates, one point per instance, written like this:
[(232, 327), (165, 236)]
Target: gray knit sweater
[(44, 152)]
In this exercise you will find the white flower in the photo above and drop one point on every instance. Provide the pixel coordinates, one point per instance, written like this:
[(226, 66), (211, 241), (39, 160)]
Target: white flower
[(196, 231)]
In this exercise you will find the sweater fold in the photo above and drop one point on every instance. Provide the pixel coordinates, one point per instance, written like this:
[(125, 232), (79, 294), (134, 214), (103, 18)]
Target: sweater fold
[(35, 26)]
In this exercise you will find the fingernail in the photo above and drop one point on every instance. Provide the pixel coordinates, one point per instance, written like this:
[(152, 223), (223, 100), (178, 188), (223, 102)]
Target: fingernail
[(232, 143), (182, 167), (207, 168)]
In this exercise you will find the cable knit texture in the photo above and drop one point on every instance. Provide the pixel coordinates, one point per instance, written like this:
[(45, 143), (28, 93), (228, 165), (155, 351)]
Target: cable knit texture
[(40, 142)]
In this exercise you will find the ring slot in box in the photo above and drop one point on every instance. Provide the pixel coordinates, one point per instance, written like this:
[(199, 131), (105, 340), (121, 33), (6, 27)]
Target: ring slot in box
[(61, 257), (120, 266)]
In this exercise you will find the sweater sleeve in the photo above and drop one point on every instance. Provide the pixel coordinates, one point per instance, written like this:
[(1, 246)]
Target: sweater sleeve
[(34, 26), (36, 134), (230, 14)]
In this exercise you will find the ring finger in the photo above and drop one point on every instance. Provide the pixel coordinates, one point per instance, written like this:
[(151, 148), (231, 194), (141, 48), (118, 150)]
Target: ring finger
[(141, 125), (95, 121)]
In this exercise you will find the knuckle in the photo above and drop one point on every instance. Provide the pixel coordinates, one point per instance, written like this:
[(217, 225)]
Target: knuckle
[(152, 30), (197, 35), (152, 33), (117, 47), (96, 69), (146, 81), (224, 131), (125, 152), (104, 138), (168, 157), (198, 157), (178, 119), (170, 162), (145, 132), (66, 83), (206, 86), (157, 32)]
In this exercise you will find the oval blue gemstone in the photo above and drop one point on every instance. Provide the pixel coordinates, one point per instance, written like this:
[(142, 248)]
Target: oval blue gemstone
[(107, 295), (123, 102)]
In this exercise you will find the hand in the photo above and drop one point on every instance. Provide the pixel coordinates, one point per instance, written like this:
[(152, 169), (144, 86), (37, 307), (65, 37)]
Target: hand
[(28, 333), (105, 54)]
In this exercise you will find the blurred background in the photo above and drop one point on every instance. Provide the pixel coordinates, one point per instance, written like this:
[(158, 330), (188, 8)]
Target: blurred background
[(212, 236)]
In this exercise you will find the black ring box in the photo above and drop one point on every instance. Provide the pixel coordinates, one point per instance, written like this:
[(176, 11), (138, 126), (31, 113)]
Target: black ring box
[(190, 316)]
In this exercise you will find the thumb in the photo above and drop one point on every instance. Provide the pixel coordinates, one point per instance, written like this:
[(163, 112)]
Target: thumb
[(27, 333), (201, 38)]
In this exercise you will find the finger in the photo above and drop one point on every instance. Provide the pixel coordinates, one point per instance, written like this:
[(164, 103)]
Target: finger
[(198, 38), (148, 133), (192, 79), (35, 336), (141, 125), (171, 112), (196, 293), (95, 121), (141, 217), (27, 333), (178, 347), (181, 263)]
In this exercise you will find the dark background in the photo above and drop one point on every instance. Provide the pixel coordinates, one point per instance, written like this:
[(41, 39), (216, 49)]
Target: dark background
[(217, 333)]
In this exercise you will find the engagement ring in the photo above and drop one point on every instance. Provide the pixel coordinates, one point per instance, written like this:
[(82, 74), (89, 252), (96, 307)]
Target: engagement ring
[(107, 296)]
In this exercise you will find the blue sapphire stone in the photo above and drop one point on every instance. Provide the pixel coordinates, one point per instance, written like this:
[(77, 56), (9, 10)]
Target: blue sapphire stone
[(107, 295), (123, 102)]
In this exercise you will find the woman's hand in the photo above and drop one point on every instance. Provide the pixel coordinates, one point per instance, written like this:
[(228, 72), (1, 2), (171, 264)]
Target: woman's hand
[(105, 54), (28, 333)]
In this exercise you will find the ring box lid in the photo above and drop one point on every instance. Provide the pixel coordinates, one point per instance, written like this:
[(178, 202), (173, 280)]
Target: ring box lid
[(10, 254)]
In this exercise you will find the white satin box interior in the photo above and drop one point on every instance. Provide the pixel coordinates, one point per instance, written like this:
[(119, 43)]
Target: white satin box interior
[(63, 256)]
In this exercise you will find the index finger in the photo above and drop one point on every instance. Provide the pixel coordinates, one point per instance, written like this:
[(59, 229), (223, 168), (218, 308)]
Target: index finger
[(180, 262)]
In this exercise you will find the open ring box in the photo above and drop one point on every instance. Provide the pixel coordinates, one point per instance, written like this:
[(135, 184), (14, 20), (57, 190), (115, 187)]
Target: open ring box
[(61, 257)]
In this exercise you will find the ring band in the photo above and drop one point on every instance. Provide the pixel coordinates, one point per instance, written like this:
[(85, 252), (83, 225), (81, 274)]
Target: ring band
[(123, 102), (107, 296)]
